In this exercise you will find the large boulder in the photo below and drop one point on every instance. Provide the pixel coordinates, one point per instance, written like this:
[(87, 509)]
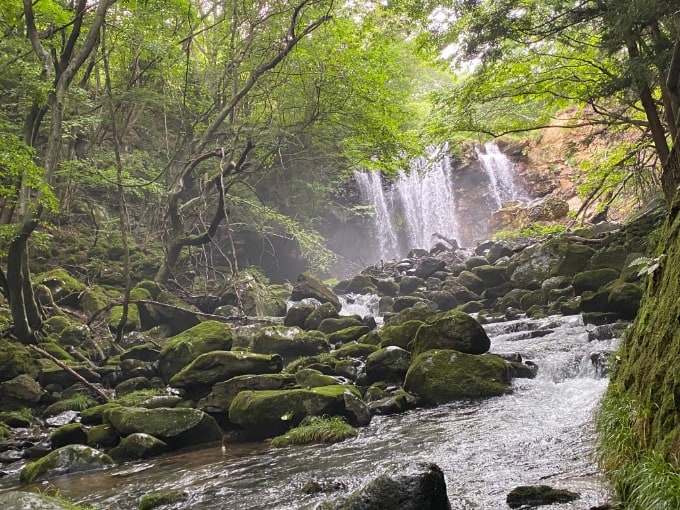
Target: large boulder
[(138, 446), (491, 276), (178, 427), (182, 349), (73, 458), (288, 342), (624, 299), (387, 364), (418, 487), (453, 330), (309, 286), (593, 279), (442, 376), (269, 413), (16, 360), (319, 314), (222, 394), (400, 335), (333, 324), (200, 375), (22, 391), (428, 266), (471, 282)]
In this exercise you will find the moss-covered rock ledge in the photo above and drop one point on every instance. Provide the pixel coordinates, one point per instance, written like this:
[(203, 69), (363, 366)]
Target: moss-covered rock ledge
[(639, 420)]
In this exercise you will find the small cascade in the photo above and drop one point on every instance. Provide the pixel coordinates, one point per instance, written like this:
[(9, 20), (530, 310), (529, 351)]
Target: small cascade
[(371, 189), (501, 173)]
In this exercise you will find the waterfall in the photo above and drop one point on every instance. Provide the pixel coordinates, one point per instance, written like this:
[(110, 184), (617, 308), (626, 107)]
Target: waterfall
[(501, 173), (415, 207), (432, 199)]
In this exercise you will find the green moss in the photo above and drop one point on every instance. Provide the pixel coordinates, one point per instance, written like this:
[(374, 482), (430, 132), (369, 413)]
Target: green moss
[(354, 350), (17, 419), (153, 288), (156, 499), (16, 360), (4, 431), (133, 322), (320, 430), (400, 335), (136, 397), (75, 403), (57, 351), (69, 459)]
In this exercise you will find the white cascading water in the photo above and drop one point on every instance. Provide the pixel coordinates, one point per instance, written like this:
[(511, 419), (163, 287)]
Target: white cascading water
[(501, 173), (420, 205), (416, 206)]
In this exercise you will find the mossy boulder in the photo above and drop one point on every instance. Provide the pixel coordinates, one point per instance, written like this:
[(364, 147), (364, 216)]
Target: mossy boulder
[(297, 314), (317, 430), (201, 374), (71, 433), (471, 282), (167, 311), (54, 374), (444, 299), (73, 458), (15, 419), (400, 335), (387, 287), (93, 299), (309, 286), (428, 266), (593, 279), (325, 311), (269, 413), (419, 312), (409, 284), (162, 498), (289, 342), (624, 299), (138, 446), (132, 321), (21, 500), (219, 399), (359, 284), (310, 378), (64, 288), (177, 427), (354, 350), (182, 349), (19, 392), (93, 415), (387, 364), (15, 359), (347, 335), (453, 330), (331, 325), (441, 376), (491, 276), (102, 436)]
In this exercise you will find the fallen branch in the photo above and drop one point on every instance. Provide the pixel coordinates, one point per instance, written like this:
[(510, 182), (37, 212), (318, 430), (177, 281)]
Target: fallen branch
[(75, 374)]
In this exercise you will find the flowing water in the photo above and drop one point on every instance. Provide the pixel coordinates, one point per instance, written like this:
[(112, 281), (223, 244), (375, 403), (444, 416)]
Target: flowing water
[(542, 433), (501, 173)]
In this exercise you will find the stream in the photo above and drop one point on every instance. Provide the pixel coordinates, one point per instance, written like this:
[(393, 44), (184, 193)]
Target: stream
[(542, 433)]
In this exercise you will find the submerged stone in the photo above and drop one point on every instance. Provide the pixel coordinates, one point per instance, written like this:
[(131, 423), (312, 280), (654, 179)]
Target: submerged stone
[(69, 459)]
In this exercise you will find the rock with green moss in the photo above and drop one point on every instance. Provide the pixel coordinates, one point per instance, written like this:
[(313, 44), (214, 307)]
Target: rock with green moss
[(419, 312), (310, 378), (17, 419), (73, 458), (54, 374), (102, 436), (269, 413), (222, 394), (387, 364), (138, 446), (93, 415), (624, 299), (16, 360), (71, 433), (309, 286), (132, 321), (348, 335), (93, 299), (400, 335), (57, 351), (471, 282), (318, 430), (182, 349), (20, 500), (162, 498), (319, 314), (200, 375), (19, 392), (65, 289), (441, 376), (491, 276), (289, 342), (333, 324), (593, 279), (297, 314), (167, 310), (354, 350), (452, 330), (177, 427)]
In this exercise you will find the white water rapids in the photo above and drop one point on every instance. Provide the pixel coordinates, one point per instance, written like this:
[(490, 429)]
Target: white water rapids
[(542, 433)]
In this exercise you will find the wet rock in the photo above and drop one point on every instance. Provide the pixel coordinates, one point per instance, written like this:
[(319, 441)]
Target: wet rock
[(21, 391), (471, 282), (324, 311), (102, 436), (491, 276), (222, 394), (289, 343), (16, 360), (538, 495), (593, 279), (182, 349), (419, 312), (297, 314), (348, 335), (309, 286), (210, 368), (71, 433), (624, 299), (315, 487), (441, 376), (69, 459), (428, 266), (138, 446), (409, 284), (354, 350), (133, 384), (444, 299), (19, 500), (387, 364), (396, 403), (453, 330), (162, 498), (331, 325), (359, 284), (400, 335), (387, 287), (269, 413), (177, 427), (419, 487), (310, 378), (358, 413)]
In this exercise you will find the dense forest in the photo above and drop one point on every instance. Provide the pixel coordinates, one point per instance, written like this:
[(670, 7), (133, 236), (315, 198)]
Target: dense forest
[(196, 144)]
